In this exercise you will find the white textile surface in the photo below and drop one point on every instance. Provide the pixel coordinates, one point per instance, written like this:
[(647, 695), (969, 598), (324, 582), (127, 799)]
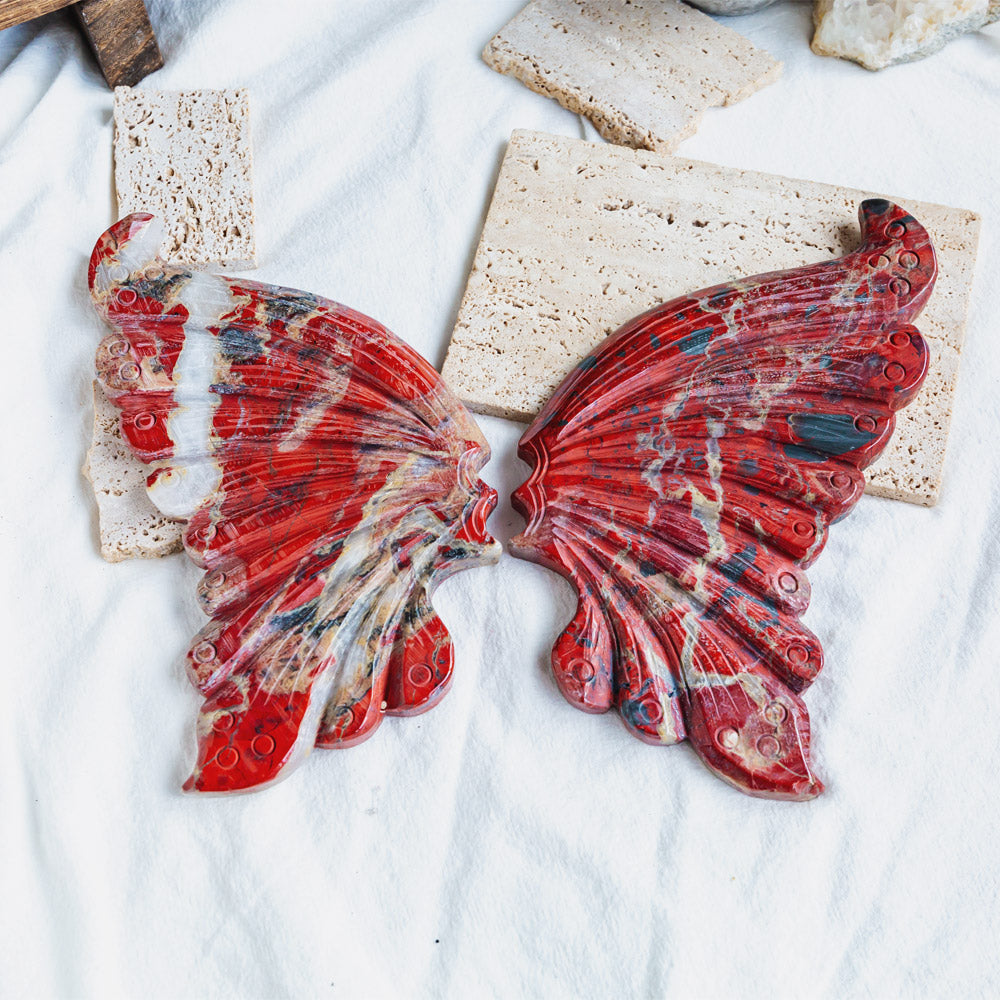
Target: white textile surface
[(504, 844)]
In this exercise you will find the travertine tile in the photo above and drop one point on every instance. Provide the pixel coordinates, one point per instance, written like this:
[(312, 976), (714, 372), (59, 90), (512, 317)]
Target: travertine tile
[(582, 236), (186, 156), (129, 524), (643, 71)]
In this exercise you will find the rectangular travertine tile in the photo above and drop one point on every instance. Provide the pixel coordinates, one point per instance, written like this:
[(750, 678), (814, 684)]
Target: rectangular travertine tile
[(581, 236), (643, 71), (129, 524), (186, 156)]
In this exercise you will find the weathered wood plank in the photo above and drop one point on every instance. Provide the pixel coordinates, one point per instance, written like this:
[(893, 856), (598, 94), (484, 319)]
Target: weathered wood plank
[(122, 38), (17, 11)]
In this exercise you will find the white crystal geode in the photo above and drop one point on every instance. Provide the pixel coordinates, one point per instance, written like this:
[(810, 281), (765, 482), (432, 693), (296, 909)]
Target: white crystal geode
[(879, 33)]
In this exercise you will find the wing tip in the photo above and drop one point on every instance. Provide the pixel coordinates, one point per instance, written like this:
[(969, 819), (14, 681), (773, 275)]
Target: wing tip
[(897, 241), (129, 245), (796, 788)]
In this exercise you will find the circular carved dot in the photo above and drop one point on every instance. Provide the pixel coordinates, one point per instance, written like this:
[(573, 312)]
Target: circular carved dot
[(126, 296), (841, 480), (225, 721), (797, 653), (117, 348), (216, 580), (581, 668), (727, 738), (788, 583), (420, 674), (895, 230), (878, 260), (204, 652), (262, 745), (865, 423), (129, 371), (769, 747), (899, 339), (118, 272), (144, 421), (909, 259), (154, 272), (205, 533), (227, 757), (895, 372), (899, 286), (346, 719), (804, 529), (651, 708), (775, 713)]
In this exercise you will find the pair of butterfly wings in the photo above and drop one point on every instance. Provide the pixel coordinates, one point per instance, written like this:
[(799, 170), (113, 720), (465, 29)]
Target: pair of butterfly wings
[(685, 475)]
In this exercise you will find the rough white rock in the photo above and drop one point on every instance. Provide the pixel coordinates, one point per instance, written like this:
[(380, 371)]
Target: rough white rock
[(879, 33)]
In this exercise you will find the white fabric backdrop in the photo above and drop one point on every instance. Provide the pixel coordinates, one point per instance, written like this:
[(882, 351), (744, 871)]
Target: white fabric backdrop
[(504, 844)]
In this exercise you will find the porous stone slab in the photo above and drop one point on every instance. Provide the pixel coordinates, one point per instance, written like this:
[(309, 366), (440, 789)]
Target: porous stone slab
[(642, 71), (581, 236), (186, 156), (129, 524), (880, 33)]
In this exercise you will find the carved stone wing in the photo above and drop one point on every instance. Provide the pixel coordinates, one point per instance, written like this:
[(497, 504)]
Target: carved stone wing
[(685, 475), (329, 480)]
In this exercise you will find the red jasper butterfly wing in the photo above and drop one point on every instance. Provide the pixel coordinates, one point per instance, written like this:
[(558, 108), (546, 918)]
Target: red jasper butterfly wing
[(329, 481), (685, 475)]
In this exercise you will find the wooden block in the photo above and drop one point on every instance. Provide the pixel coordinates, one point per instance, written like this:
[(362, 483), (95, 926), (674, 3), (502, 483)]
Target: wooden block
[(643, 72), (581, 236), (18, 11), (122, 38)]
